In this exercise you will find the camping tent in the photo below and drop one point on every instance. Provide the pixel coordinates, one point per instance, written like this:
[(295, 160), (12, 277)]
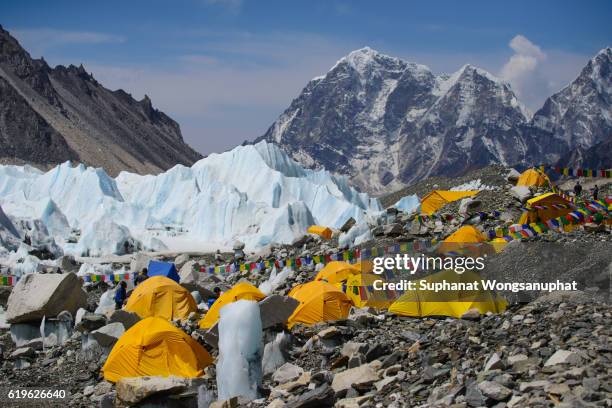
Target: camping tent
[(323, 232), (532, 177), (319, 301), (466, 239), (155, 347), (360, 290), (452, 303), (336, 271), (544, 207), (161, 297), (167, 269), (437, 199), (240, 291)]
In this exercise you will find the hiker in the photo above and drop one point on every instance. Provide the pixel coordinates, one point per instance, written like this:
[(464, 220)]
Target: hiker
[(595, 192), (141, 277), (217, 293), (577, 189), (218, 258), (120, 295)]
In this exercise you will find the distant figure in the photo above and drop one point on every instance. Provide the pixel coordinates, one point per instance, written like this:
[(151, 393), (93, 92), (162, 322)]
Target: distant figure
[(120, 295), (27, 240), (595, 192), (577, 189), (59, 270), (218, 257), (141, 277), (126, 247), (211, 300)]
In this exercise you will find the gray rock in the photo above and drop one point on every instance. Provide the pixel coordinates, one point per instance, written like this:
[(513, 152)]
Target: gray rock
[(90, 322), (521, 193), (495, 391), (127, 319), (287, 372), (493, 363), (132, 390), (23, 352), (37, 295), (322, 396), (276, 309), (107, 335), (181, 260), (563, 357), (359, 376)]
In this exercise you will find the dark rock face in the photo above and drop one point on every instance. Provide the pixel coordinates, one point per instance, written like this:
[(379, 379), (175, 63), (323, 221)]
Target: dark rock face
[(386, 123), (50, 115)]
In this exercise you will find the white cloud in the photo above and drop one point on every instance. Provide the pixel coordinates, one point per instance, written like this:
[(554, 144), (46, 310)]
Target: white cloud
[(232, 5), (523, 63)]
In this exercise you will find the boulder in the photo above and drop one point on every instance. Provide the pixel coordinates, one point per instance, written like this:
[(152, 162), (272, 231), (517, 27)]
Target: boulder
[(348, 225), (563, 357), (513, 176), (494, 362), (132, 390), (38, 295), (67, 263), (23, 352), (90, 322), (107, 335), (127, 319), (140, 261), (276, 309), (521, 193), (322, 396), (181, 260), (275, 353), (238, 246), (189, 277), (287, 372), (358, 377), (393, 230), (495, 391)]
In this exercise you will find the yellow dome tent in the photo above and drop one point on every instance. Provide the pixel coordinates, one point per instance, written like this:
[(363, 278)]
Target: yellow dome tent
[(532, 177), (452, 303), (552, 206), (154, 347), (359, 289), (323, 232), (319, 301), (241, 290), (336, 271), (467, 239), (437, 199), (162, 297)]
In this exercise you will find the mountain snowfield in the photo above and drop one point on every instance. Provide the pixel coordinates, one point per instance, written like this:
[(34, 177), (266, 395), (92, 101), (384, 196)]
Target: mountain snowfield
[(253, 193), (387, 123)]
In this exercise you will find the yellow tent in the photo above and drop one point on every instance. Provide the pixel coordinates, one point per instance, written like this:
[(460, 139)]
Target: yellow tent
[(452, 303), (162, 297), (336, 271), (437, 199), (240, 291), (532, 177), (359, 289), (466, 239), (547, 202), (323, 232), (466, 234), (155, 347), (319, 301)]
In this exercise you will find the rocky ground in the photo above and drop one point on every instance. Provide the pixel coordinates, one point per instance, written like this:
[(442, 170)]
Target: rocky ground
[(552, 351)]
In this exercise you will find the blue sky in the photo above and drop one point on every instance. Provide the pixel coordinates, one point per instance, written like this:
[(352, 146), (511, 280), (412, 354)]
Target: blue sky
[(225, 69)]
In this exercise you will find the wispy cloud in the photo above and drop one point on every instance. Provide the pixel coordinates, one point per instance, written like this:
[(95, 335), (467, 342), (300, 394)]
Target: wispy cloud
[(231, 5), (40, 40)]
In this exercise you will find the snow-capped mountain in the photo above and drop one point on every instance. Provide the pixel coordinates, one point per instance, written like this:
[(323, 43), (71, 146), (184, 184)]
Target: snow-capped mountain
[(576, 122), (385, 123), (252, 193)]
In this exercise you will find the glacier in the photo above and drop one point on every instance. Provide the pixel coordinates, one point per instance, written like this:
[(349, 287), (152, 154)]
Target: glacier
[(254, 193)]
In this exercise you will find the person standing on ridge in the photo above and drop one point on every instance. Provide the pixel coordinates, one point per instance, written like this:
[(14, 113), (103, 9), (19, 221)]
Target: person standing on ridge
[(577, 189), (141, 277), (595, 192), (120, 295)]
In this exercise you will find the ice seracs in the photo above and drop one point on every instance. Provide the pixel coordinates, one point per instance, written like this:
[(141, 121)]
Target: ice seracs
[(253, 193)]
